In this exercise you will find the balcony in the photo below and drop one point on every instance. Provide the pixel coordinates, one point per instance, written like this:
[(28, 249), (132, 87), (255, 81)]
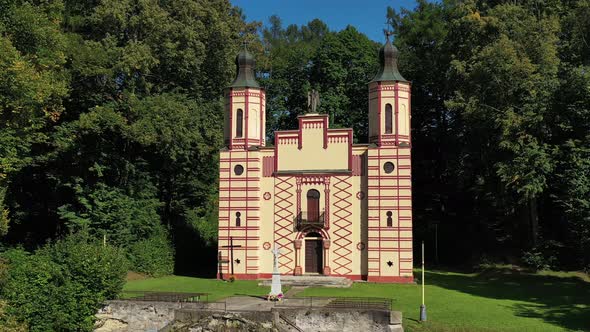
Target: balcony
[(305, 219)]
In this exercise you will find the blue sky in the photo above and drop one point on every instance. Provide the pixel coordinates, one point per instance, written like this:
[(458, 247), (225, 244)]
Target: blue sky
[(368, 16)]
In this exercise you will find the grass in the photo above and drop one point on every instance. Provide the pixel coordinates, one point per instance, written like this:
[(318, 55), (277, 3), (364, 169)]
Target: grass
[(492, 300), (499, 299), (216, 288)]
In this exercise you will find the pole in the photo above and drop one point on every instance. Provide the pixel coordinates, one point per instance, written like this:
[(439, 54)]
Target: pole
[(231, 253), (436, 243), (220, 267), (104, 240), (422, 306)]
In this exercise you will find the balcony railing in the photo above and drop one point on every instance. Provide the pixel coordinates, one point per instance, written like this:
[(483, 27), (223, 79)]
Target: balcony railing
[(307, 218)]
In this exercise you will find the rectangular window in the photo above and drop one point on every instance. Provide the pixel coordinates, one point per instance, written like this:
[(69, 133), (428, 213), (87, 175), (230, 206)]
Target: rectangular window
[(239, 123), (388, 119)]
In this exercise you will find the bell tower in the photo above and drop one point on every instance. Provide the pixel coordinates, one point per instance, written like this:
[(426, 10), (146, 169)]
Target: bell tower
[(389, 101), (389, 167), (244, 116)]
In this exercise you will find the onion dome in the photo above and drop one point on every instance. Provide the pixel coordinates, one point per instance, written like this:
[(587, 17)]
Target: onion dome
[(245, 63), (388, 56)]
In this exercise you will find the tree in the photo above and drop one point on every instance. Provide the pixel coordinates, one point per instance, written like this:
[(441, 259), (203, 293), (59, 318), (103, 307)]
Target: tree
[(337, 64), (139, 131), (32, 84), (494, 103)]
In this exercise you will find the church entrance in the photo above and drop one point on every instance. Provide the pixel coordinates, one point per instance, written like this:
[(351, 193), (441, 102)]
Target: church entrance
[(313, 253)]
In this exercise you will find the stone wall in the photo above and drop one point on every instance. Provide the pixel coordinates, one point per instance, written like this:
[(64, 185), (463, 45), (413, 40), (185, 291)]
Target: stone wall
[(337, 320), (316, 319), (118, 316), (133, 316)]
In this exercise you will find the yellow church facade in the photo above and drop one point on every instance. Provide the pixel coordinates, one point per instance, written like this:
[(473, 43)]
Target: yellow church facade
[(332, 207)]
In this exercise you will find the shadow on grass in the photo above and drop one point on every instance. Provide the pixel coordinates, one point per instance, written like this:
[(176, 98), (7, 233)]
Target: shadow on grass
[(562, 301), (413, 325)]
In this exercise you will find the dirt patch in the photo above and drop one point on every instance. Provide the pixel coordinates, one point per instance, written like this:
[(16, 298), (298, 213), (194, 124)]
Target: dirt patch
[(136, 276)]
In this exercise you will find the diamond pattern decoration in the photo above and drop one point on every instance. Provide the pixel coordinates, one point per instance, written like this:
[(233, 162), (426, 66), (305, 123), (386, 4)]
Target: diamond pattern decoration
[(342, 224), (284, 222)]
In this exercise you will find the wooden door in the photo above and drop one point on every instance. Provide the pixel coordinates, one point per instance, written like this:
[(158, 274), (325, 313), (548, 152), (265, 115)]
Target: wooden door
[(313, 256), (313, 205)]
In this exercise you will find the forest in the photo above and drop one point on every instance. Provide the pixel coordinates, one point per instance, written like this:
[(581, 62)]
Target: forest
[(111, 115)]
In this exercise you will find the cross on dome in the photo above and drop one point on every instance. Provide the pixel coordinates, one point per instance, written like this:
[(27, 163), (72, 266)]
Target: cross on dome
[(387, 31)]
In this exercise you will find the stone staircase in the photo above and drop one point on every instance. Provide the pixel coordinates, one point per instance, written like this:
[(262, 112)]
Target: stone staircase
[(311, 281)]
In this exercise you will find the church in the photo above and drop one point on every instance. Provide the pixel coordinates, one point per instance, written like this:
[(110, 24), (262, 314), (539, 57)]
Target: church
[(332, 207)]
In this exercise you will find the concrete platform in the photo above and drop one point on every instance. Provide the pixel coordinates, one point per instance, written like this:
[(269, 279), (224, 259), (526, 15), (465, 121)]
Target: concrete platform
[(311, 281)]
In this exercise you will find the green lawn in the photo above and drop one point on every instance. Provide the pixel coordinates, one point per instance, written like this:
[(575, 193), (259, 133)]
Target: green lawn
[(216, 288), (493, 300)]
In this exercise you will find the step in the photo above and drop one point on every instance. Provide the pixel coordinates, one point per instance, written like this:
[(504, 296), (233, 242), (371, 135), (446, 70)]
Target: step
[(311, 281)]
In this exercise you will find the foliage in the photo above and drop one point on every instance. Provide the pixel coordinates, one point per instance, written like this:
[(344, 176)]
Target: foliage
[(60, 286), (111, 123), (106, 211), (8, 322), (337, 64), (33, 85), (98, 267), (500, 122), (539, 259), (126, 222), (152, 256), (121, 112), (205, 225)]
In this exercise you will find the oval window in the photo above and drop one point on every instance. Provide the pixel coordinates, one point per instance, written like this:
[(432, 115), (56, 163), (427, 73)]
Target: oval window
[(388, 167), (239, 169)]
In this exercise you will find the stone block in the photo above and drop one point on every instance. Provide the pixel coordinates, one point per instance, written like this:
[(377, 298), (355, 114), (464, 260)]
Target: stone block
[(396, 328), (395, 318)]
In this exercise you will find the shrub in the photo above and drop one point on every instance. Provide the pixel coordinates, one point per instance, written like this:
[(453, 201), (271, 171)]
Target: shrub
[(99, 268), (538, 260), (104, 210), (153, 256), (8, 322), (61, 286)]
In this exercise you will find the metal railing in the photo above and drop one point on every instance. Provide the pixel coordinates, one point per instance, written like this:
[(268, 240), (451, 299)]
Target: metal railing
[(367, 303), (361, 303), (164, 296), (201, 300), (307, 218)]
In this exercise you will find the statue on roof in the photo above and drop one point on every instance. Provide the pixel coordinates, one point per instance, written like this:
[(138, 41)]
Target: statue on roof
[(313, 101)]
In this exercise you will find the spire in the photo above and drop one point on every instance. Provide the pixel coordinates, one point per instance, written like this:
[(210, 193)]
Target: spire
[(245, 65), (388, 63)]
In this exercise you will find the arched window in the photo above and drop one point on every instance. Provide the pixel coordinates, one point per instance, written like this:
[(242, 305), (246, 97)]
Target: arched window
[(389, 219), (239, 123), (388, 119), (313, 205), (238, 219)]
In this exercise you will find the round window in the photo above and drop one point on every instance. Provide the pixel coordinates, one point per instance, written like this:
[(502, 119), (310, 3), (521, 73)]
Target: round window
[(388, 167), (239, 169)]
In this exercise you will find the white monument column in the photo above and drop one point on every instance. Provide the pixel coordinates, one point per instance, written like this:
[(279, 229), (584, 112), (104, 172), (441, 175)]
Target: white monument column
[(275, 288)]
